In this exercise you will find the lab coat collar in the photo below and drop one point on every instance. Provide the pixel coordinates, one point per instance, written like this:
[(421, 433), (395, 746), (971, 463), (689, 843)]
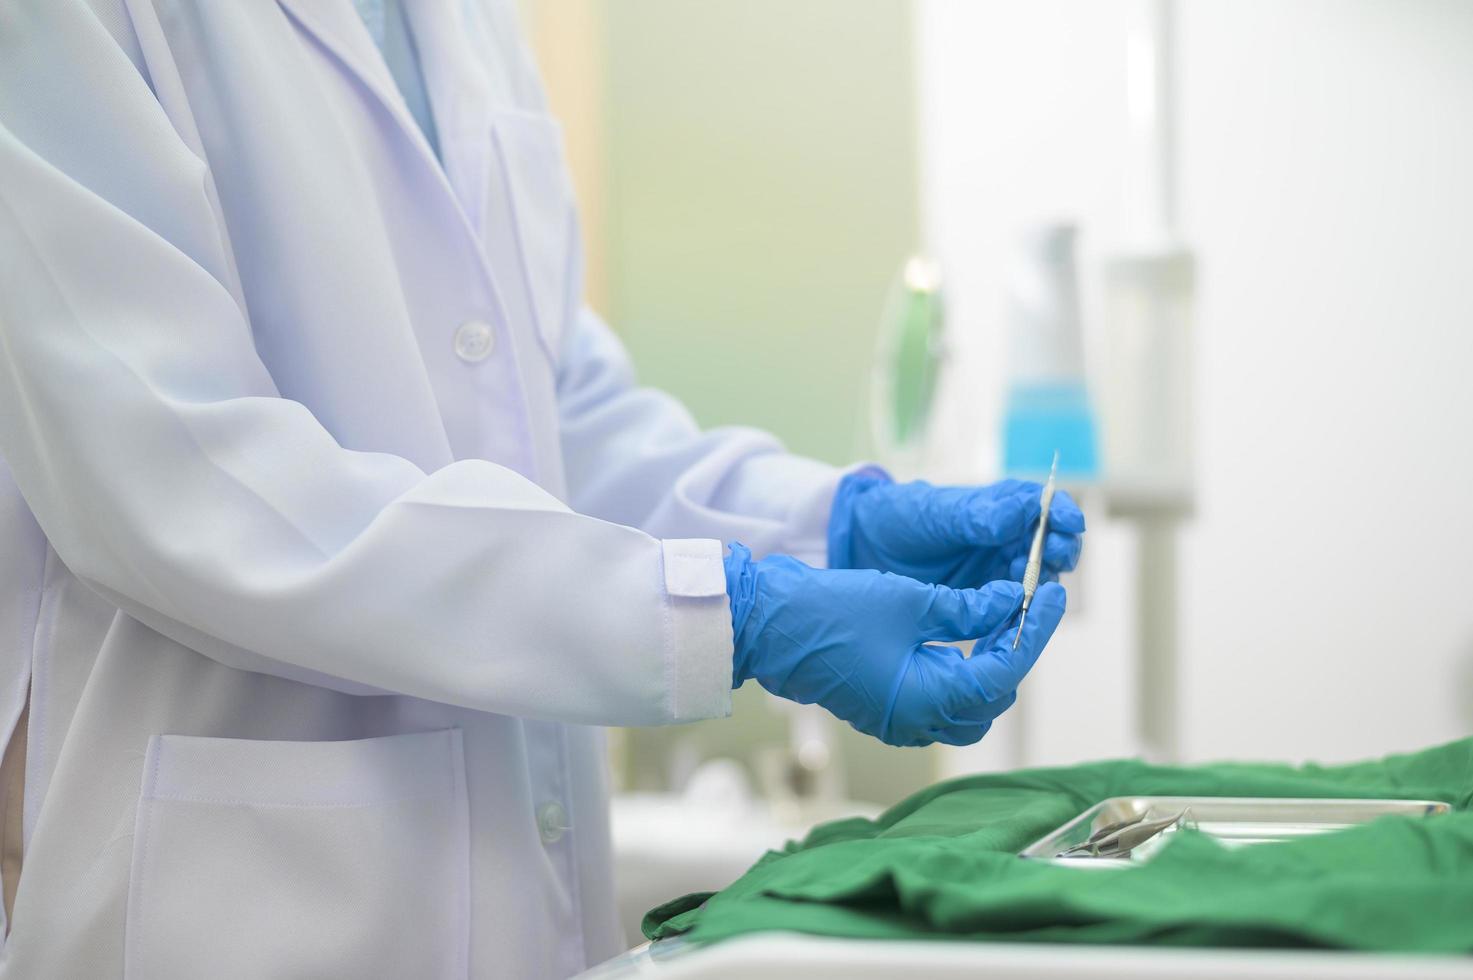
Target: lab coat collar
[(458, 92), (339, 29), (460, 98)]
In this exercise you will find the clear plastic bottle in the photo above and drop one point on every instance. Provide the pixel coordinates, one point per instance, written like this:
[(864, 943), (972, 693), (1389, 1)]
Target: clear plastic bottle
[(1048, 404)]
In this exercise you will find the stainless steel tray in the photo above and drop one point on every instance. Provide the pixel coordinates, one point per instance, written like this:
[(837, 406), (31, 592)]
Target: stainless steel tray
[(1235, 821)]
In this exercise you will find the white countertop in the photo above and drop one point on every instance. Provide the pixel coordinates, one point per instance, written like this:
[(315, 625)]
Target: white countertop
[(778, 956)]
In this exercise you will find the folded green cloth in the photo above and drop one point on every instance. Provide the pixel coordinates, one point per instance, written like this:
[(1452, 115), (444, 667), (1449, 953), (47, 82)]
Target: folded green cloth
[(943, 864)]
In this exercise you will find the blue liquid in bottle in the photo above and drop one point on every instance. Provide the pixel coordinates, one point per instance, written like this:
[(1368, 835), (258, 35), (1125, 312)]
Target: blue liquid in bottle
[(1043, 416)]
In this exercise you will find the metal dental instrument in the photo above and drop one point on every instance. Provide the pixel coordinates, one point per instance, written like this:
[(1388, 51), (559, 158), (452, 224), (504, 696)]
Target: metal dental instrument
[(1119, 839), (1035, 553)]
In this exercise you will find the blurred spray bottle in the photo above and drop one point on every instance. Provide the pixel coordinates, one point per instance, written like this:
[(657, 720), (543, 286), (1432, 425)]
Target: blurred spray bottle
[(1048, 405)]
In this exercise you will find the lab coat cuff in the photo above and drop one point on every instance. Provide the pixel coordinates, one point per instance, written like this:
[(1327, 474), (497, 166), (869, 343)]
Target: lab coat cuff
[(698, 650)]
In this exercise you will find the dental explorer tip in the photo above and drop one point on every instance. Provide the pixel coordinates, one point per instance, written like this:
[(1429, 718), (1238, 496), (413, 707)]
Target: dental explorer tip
[(1019, 635)]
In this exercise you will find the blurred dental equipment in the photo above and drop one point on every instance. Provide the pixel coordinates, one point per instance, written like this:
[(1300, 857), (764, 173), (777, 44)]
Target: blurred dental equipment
[(1035, 552), (909, 355), (1148, 300), (1149, 290), (1048, 405)]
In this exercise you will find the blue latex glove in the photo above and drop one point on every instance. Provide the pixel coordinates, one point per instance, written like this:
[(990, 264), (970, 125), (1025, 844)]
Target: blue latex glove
[(856, 642), (957, 536)]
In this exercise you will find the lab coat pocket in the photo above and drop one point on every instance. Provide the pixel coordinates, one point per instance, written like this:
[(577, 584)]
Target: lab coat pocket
[(300, 859), (538, 201)]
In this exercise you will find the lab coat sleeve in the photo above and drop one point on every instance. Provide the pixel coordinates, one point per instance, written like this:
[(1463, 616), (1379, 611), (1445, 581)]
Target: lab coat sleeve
[(155, 451), (634, 455)]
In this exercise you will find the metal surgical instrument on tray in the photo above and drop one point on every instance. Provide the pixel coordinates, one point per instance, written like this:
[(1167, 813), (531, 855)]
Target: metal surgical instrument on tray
[(1035, 552), (1119, 839)]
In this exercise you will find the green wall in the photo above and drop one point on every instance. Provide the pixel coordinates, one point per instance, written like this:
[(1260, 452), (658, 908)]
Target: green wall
[(762, 168)]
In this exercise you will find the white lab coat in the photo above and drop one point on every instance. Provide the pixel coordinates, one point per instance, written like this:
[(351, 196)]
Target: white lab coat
[(332, 519)]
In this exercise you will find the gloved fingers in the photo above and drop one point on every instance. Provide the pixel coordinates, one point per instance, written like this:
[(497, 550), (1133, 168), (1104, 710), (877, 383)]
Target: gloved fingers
[(1000, 668), (1061, 550), (995, 515), (945, 650), (961, 734), (1019, 565), (1064, 514), (968, 614), (1010, 485), (986, 712), (1060, 554), (914, 742), (1003, 512)]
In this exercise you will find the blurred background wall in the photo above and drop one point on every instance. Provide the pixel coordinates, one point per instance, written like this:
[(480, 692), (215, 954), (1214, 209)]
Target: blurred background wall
[(1327, 155), (753, 173), (1323, 157)]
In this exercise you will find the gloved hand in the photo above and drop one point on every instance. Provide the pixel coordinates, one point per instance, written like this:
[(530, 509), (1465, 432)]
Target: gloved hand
[(856, 642), (957, 536)]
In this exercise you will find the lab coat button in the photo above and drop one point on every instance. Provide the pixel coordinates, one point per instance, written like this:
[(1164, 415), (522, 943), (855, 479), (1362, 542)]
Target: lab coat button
[(552, 820), (474, 341)]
